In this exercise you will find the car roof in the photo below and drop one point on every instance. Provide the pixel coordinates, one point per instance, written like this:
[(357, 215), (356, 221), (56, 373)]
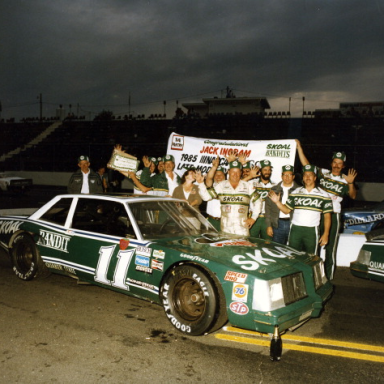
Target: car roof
[(123, 197)]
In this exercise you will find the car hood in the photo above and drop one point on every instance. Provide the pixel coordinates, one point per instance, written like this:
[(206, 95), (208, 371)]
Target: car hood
[(248, 254)]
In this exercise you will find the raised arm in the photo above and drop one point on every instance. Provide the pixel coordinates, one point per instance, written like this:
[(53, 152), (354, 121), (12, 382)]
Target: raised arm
[(212, 171), (300, 152), (350, 179), (136, 181)]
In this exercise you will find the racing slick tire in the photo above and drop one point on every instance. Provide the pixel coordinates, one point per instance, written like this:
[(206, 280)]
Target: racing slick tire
[(26, 258), (193, 300)]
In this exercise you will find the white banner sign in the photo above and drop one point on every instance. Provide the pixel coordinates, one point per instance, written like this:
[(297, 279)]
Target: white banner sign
[(198, 152)]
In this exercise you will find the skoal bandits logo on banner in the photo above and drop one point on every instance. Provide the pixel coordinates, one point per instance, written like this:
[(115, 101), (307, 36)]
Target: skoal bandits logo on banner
[(195, 152)]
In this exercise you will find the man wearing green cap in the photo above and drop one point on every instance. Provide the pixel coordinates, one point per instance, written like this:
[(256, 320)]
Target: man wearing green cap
[(164, 183), (308, 204), (336, 185), (278, 223), (84, 180), (139, 188), (237, 197)]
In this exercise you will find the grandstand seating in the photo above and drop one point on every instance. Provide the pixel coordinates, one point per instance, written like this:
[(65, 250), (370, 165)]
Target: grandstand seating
[(361, 139)]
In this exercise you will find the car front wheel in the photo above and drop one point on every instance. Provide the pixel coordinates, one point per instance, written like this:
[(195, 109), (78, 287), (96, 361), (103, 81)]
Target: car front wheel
[(193, 301), (25, 257)]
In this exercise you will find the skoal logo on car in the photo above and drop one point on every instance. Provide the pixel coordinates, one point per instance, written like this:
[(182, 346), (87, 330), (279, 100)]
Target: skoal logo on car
[(9, 226), (239, 308)]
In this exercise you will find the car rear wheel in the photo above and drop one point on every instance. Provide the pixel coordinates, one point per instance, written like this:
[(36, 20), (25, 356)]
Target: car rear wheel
[(193, 300), (25, 257)]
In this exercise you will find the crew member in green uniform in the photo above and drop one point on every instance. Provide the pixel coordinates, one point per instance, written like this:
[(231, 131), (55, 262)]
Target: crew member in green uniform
[(262, 185), (164, 183), (336, 185), (308, 203)]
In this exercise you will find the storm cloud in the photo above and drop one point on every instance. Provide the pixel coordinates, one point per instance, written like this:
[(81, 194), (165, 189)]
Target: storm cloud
[(96, 54)]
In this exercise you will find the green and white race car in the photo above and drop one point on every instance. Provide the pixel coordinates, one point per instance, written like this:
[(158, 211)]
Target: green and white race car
[(162, 250), (370, 260)]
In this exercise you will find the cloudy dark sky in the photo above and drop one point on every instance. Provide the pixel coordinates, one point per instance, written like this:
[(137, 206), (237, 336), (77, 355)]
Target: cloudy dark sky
[(95, 53)]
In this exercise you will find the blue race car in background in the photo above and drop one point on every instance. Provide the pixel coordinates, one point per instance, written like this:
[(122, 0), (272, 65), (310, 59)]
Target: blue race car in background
[(363, 220)]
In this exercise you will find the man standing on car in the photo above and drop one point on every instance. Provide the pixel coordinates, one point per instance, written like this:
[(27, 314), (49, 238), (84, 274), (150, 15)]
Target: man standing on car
[(237, 198), (278, 223), (84, 180), (336, 185)]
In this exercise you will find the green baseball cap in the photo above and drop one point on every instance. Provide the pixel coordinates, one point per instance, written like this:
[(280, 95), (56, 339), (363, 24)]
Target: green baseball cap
[(82, 157), (235, 164), (169, 158), (339, 155), (265, 163), (287, 168), (154, 160), (310, 168)]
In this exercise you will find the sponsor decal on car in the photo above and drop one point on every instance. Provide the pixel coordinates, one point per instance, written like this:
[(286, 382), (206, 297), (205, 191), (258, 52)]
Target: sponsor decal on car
[(143, 251), (235, 277), (53, 240), (257, 259), (143, 269), (158, 253), (9, 226), (239, 308), (142, 284), (364, 220), (142, 260), (156, 264), (194, 258), (124, 244), (376, 265), (240, 292), (239, 242)]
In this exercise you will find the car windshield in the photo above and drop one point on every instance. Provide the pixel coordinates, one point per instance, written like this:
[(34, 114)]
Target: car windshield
[(159, 219)]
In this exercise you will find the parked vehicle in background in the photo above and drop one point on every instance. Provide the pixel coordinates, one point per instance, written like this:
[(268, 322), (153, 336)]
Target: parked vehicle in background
[(14, 184), (363, 220), (370, 261)]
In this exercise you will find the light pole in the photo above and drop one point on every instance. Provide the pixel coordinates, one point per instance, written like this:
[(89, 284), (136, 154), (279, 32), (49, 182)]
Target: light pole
[(41, 107), (303, 104)]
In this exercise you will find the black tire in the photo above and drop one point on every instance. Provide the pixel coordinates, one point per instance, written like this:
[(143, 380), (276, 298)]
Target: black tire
[(25, 256), (193, 300)]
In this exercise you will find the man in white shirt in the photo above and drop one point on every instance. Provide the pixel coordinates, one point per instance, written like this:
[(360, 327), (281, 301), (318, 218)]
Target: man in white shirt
[(237, 198)]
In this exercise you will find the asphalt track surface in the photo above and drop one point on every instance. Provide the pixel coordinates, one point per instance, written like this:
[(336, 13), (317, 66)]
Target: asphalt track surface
[(53, 330)]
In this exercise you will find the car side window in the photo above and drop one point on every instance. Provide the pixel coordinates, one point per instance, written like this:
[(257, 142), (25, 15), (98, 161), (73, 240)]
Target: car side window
[(58, 213), (102, 216)]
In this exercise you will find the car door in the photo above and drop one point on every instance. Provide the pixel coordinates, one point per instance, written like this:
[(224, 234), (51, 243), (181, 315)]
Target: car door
[(54, 239), (103, 244)]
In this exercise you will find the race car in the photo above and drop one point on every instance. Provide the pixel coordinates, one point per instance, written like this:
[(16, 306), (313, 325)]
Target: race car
[(370, 261), (163, 250), (14, 183), (363, 220)]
